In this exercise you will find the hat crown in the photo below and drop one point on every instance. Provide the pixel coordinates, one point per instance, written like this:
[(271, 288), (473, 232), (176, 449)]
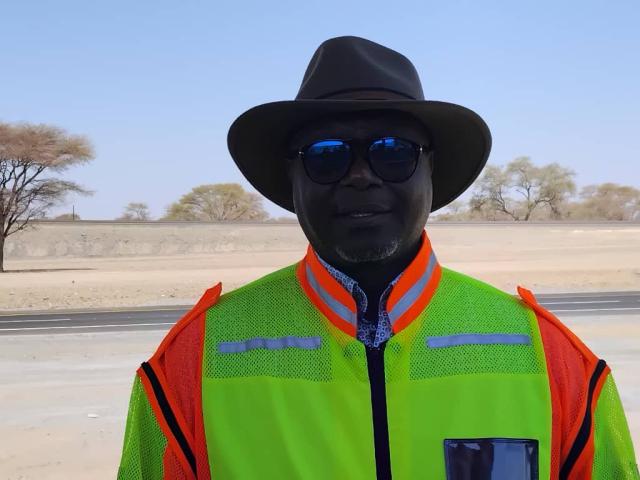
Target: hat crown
[(356, 68)]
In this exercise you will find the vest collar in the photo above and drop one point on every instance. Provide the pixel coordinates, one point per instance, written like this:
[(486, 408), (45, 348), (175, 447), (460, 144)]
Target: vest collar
[(408, 298)]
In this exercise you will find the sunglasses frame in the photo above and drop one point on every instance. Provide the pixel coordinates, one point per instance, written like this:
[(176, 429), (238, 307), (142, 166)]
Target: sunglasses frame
[(420, 148)]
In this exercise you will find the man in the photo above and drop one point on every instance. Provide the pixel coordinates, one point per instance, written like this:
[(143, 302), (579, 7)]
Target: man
[(368, 359)]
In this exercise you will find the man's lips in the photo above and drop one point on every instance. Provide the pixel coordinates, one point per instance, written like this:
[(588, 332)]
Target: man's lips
[(362, 211)]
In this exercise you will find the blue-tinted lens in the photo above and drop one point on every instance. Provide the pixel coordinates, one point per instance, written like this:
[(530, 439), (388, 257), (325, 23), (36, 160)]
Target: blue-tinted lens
[(393, 159), (327, 161)]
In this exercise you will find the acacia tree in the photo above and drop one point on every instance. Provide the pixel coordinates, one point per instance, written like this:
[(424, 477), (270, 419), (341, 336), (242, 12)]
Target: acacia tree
[(608, 201), (517, 190), (136, 211), (217, 203), (28, 155), (492, 194), (454, 211)]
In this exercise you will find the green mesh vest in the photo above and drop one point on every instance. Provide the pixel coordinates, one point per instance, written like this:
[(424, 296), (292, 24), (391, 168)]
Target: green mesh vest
[(286, 394)]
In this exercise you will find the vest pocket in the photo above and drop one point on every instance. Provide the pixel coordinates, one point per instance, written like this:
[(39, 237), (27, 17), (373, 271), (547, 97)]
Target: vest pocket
[(491, 459)]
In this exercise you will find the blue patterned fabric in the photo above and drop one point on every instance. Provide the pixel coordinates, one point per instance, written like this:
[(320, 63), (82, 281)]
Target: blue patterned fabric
[(369, 333)]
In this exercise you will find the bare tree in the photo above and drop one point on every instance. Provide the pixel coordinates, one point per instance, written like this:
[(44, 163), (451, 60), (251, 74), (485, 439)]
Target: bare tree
[(217, 203), (608, 201), (136, 211), (454, 211), (517, 190), (549, 185), (492, 194), (28, 154)]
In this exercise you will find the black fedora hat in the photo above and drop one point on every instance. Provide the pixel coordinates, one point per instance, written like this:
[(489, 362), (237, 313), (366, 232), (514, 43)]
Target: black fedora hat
[(354, 74)]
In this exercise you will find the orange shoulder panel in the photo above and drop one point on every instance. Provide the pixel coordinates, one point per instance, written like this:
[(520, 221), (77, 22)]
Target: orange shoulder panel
[(531, 300), (571, 365), (208, 299), (177, 363)]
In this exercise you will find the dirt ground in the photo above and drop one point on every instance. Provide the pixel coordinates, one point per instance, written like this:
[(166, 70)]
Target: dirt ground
[(63, 398), (132, 265)]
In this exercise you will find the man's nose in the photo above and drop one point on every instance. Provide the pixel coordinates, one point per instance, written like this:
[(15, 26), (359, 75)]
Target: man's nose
[(360, 174)]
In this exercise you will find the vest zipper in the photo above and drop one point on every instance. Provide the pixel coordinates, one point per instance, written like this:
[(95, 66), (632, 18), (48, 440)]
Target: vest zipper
[(375, 367)]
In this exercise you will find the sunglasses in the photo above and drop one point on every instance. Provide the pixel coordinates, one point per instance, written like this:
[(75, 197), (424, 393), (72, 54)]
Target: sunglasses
[(393, 159)]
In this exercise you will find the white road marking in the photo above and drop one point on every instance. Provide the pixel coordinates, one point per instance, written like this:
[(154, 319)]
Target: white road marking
[(35, 320), (595, 309), (588, 295), (84, 326), (581, 301), (27, 320), (168, 309)]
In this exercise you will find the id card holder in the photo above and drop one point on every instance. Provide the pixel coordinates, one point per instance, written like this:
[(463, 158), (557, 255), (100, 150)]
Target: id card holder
[(491, 459)]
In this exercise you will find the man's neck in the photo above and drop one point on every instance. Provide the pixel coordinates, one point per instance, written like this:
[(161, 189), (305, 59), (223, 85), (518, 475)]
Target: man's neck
[(374, 277)]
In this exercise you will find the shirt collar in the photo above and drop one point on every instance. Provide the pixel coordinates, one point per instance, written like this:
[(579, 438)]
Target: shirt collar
[(409, 295)]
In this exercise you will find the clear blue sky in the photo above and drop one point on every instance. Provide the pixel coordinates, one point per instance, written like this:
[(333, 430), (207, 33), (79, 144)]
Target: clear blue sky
[(155, 85)]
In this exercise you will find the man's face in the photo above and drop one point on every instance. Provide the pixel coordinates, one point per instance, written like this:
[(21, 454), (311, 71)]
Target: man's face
[(334, 217)]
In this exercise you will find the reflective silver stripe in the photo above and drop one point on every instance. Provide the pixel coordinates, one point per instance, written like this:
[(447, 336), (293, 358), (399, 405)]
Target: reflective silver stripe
[(478, 339), (306, 343), (414, 292), (338, 308)]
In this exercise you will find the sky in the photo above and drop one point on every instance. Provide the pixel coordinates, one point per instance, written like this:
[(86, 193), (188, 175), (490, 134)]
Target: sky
[(156, 85)]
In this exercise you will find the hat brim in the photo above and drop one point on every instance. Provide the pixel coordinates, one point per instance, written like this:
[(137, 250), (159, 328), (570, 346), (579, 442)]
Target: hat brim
[(257, 142)]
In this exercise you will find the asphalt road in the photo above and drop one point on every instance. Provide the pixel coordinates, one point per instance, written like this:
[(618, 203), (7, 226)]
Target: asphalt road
[(598, 303)]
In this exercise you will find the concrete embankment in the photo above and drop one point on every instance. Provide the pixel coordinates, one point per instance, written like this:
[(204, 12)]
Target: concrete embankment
[(117, 239)]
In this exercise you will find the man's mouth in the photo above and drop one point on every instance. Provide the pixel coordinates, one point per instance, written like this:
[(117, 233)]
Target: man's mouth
[(361, 210)]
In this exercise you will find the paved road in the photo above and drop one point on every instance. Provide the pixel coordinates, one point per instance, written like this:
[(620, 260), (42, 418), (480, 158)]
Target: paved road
[(601, 303)]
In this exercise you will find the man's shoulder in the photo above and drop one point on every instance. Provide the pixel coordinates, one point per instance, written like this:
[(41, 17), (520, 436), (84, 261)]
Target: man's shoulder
[(457, 286), (187, 332), (271, 285), (559, 340), (189, 329)]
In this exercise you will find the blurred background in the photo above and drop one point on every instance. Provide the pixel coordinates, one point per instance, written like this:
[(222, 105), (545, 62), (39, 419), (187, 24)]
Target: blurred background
[(125, 107)]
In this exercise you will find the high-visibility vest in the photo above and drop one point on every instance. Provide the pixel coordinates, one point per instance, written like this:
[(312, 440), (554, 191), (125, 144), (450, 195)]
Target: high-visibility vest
[(268, 381), (296, 396)]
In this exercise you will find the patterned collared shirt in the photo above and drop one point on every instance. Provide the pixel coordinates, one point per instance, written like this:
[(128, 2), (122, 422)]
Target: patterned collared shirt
[(369, 333)]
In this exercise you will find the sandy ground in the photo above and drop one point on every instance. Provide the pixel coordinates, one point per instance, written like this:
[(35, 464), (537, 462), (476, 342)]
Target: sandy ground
[(52, 386), (545, 258)]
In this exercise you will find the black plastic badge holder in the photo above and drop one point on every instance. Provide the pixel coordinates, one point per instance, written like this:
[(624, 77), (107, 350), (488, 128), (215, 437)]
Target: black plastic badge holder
[(491, 459)]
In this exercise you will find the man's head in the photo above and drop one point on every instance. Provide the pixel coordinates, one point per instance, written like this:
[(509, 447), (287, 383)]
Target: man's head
[(331, 215), (353, 74)]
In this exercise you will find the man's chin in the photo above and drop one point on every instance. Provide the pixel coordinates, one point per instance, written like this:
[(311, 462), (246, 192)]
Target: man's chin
[(368, 253)]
